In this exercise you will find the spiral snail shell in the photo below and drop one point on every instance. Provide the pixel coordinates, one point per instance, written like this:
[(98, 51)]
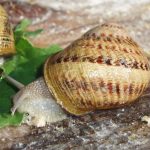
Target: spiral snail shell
[(6, 39), (103, 69), (6, 35)]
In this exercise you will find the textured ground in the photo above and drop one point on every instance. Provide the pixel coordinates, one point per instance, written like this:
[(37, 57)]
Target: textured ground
[(64, 21)]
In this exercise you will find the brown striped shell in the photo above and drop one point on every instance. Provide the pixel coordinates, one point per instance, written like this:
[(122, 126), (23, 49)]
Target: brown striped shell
[(6, 34), (103, 69)]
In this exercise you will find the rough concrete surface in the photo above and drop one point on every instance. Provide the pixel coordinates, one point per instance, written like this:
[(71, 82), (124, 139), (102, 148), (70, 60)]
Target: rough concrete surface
[(64, 21)]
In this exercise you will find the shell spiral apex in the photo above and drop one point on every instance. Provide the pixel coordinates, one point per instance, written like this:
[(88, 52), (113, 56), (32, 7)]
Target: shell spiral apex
[(103, 69), (6, 34)]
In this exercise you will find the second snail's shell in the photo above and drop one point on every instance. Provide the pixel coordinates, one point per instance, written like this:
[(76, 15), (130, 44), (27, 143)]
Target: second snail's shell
[(6, 34), (103, 69)]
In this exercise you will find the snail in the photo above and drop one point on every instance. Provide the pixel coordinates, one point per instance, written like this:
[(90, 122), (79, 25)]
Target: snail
[(6, 36), (103, 69)]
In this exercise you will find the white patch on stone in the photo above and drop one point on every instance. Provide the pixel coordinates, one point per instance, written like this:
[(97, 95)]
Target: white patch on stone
[(146, 119)]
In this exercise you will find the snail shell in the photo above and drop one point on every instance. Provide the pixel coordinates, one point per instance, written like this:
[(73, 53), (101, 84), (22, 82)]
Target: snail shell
[(6, 34), (103, 69)]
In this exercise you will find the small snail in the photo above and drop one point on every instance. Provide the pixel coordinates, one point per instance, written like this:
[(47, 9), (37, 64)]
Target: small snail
[(103, 69), (6, 36)]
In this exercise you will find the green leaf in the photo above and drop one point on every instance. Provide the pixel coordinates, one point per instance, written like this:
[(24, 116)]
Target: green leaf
[(5, 94), (33, 34), (23, 25), (21, 30), (6, 119), (25, 66)]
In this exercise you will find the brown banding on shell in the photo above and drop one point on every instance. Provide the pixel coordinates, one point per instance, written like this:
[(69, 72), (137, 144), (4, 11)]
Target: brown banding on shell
[(103, 69), (7, 39)]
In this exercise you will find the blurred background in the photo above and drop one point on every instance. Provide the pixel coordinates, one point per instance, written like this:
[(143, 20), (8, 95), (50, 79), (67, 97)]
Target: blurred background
[(65, 20)]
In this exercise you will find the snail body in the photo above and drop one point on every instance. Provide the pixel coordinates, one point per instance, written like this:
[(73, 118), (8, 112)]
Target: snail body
[(36, 100), (103, 69), (6, 36)]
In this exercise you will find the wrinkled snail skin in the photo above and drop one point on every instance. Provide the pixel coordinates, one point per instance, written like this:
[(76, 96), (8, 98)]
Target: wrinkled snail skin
[(6, 36), (103, 69), (36, 100)]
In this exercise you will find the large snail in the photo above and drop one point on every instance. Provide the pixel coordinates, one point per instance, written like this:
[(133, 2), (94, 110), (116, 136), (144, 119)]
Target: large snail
[(103, 69), (6, 36)]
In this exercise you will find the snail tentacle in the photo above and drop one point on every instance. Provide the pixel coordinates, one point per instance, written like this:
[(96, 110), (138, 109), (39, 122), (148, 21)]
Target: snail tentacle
[(14, 82)]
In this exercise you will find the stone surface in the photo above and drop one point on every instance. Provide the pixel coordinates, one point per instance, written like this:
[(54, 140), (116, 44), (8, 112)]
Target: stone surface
[(64, 21)]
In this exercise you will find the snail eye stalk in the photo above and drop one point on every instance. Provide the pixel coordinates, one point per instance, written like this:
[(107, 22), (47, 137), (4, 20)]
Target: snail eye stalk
[(10, 79)]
